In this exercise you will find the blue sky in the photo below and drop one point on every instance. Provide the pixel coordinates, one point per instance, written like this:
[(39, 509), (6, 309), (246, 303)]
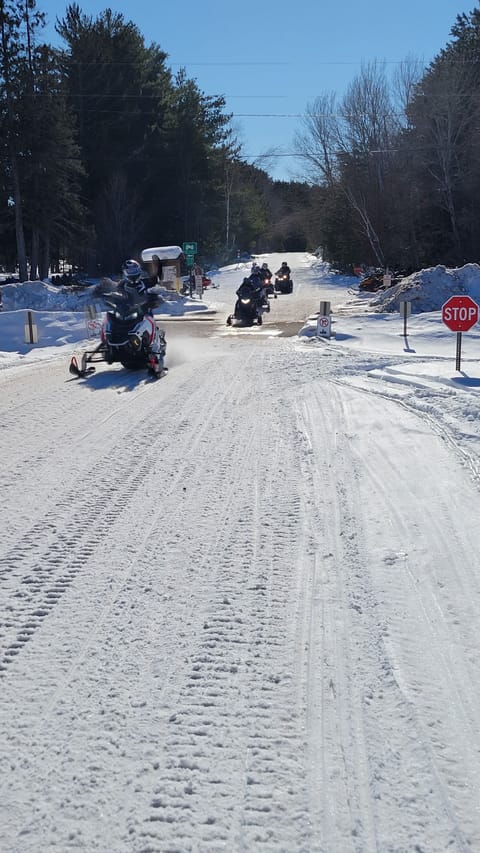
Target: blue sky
[(270, 62)]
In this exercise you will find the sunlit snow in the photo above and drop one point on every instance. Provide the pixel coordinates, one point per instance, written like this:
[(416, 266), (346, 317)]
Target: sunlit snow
[(240, 606)]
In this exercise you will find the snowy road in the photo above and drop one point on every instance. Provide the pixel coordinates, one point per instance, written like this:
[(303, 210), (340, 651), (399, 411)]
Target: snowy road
[(239, 609)]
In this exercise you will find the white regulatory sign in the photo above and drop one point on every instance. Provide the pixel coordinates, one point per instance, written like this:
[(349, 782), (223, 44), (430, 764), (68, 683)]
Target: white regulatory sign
[(324, 325)]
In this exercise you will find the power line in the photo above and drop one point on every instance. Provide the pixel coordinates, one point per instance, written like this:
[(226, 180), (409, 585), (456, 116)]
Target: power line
[(252, 64), (310, 115), (108, 63)]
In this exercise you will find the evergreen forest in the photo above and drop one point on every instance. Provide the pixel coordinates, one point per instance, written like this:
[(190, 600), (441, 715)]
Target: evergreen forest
[(105, 151)]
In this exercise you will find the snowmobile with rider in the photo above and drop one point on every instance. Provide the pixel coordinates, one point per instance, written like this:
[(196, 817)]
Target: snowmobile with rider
[(267, 276), (129, 332), (283, 279), (250, 305)]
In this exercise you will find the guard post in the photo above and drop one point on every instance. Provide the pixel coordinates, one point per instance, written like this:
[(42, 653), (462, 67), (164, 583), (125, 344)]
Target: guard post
[(31, 330), (405, 311)]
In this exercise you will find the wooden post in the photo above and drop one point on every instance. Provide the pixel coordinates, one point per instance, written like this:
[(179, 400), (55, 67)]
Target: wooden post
[(31, 331)]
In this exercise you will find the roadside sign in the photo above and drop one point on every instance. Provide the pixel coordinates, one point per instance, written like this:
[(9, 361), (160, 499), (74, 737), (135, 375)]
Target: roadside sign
[(460, 313), (324, 326), (94, 328), (324, 320), (189, 248), (189, 259)]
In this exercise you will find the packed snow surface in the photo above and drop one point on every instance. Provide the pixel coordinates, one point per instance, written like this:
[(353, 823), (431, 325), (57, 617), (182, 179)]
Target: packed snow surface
[(240, 606)]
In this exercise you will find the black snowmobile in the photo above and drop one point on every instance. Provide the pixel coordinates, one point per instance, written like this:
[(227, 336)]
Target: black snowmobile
[(283, 282), (250, 305)]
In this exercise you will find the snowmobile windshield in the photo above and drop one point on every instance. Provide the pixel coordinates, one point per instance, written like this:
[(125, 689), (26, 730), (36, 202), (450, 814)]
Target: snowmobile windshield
[(123, 307), (245, 291)]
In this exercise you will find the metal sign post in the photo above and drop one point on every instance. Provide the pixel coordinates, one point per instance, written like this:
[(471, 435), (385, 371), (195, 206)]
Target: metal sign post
[(459, 351)]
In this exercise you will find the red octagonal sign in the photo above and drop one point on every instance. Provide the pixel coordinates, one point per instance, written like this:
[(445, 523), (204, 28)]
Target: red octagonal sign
[(460, 313)]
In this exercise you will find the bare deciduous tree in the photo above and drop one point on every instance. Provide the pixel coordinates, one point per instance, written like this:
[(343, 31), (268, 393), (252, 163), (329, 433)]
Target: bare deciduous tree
[(319, 140)]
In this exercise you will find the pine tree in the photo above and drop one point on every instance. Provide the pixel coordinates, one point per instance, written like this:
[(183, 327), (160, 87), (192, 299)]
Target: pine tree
[(13, 74)]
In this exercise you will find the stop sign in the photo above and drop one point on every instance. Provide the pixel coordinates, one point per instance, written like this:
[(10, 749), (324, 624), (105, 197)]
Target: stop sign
[(460, 313)]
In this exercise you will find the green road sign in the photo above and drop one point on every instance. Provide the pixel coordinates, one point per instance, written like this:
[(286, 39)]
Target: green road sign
[(190, 248), (189, 260)]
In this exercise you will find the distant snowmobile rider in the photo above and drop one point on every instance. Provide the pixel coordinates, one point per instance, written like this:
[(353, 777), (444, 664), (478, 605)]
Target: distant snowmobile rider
[(266, 272), (284, 269)]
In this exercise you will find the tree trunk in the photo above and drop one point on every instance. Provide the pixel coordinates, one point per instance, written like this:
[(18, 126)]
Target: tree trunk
[(45, 257), (368, 229), (19, 230), (35, 253)]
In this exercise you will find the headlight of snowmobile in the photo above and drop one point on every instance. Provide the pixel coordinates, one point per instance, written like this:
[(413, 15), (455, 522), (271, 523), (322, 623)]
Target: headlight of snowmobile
[(245, 301), (132, 316), (136, 341)]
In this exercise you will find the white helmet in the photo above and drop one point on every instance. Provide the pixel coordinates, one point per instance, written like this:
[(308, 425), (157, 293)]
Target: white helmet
[(132, 270), (133, 274)]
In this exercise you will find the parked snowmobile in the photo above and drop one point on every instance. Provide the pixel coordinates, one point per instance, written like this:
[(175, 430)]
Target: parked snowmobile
[(129, 333), (249, 306)]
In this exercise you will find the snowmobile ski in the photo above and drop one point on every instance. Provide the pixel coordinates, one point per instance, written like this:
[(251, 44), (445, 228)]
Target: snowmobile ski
[(82, 371)]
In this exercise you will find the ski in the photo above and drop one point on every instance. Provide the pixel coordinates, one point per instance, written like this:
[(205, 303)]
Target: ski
[(82, 371)]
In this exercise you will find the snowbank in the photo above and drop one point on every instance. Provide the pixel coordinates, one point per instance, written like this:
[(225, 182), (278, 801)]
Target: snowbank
[(428, 289), (43, 296)]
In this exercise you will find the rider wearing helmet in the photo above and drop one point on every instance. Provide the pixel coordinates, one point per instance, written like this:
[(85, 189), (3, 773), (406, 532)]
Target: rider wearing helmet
[(284, 269), (255, 272), (266, 273), (134, 283), (256, 277), (133, 280)]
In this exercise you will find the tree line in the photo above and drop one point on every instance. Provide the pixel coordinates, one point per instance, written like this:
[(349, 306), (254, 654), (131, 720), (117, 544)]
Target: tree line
[(104, 151), (396, 160)]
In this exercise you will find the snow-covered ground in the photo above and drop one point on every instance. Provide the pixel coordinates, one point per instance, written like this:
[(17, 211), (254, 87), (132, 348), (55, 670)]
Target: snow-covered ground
[(240, 607)]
